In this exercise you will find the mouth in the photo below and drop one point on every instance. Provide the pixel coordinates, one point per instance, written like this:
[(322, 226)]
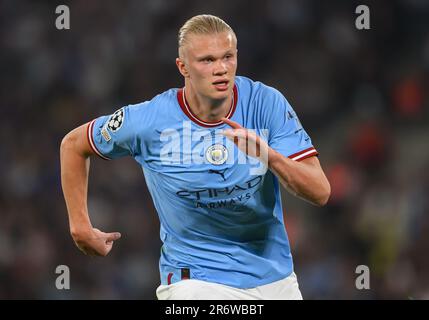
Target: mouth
[(221, 85)]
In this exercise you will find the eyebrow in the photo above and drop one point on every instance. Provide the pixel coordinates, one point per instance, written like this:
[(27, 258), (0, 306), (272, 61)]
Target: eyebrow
[(210, 56)]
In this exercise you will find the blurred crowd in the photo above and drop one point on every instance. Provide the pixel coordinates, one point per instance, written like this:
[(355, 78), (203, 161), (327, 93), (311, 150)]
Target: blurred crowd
[(362, 95)]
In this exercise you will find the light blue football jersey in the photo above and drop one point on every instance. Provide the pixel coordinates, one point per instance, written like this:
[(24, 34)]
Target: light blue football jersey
[(220, 212)]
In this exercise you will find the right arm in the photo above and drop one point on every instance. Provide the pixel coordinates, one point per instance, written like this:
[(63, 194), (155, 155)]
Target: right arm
[(74, 154)]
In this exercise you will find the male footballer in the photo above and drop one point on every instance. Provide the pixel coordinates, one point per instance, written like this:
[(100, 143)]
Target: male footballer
[(214, 154)]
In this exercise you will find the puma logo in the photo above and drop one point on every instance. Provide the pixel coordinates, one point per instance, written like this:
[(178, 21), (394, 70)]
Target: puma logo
[(219, 172)]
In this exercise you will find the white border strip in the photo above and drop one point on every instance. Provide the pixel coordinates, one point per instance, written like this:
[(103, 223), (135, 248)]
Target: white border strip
[(91, 141), (203, 122), (304, 154)]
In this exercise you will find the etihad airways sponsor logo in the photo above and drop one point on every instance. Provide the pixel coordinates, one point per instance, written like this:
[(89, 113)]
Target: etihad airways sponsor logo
[(198, 194), (225, 203)]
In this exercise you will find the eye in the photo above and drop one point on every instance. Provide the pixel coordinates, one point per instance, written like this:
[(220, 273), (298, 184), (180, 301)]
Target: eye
[(207, 60)]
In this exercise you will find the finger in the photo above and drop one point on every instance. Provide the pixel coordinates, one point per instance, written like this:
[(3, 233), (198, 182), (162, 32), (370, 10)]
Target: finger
[(113, 236), (237, 136), (239, 133), (229, 133), (232, 124), (232, 138)]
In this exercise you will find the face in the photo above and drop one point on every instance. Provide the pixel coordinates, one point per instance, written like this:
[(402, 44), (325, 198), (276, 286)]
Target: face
[(209, 64)]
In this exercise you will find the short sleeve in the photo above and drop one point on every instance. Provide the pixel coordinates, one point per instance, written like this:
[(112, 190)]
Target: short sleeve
[(113, 136), (287, 135)]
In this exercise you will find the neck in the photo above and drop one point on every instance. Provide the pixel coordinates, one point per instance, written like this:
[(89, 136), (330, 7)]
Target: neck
[(206, 109)]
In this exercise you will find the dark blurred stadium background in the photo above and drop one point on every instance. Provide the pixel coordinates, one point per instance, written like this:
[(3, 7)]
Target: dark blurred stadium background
[(362, 95)]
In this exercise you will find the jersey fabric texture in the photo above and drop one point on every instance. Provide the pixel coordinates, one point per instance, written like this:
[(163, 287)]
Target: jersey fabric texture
[(221, 215)]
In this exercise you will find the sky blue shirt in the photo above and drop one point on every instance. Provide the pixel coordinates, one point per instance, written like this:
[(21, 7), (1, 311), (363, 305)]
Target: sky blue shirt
[(220, 211)]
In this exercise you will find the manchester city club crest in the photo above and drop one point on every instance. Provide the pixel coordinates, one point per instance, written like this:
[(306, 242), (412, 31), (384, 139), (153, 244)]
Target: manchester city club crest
[(217, 154)]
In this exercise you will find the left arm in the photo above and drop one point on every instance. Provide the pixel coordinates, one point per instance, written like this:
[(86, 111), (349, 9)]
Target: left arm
[(304, 179)]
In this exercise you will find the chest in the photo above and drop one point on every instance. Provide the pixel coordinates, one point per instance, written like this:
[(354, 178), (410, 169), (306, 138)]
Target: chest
[(201, 157)]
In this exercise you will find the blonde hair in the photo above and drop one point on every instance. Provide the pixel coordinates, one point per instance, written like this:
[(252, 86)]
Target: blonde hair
[(202, 24)]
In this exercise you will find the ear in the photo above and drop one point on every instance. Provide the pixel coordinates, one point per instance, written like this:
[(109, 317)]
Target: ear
[(182, 67)]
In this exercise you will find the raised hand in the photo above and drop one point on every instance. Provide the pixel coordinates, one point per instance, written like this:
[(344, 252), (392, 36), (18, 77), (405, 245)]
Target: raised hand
[(247, 141)]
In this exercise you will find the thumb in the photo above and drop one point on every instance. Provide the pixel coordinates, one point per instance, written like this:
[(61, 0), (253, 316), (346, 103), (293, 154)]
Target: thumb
[(113, 236)]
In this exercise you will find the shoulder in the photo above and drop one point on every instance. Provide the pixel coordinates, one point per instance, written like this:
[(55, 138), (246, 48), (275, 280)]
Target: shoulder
[(158, 105), (166, 97), (257, 90), (148, 114)]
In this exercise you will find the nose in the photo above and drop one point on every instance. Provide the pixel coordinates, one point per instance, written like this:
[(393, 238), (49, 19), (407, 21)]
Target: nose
[(220, 68)]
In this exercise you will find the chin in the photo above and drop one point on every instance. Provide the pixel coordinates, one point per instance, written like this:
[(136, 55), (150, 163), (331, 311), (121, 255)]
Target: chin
[(219, 95)]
